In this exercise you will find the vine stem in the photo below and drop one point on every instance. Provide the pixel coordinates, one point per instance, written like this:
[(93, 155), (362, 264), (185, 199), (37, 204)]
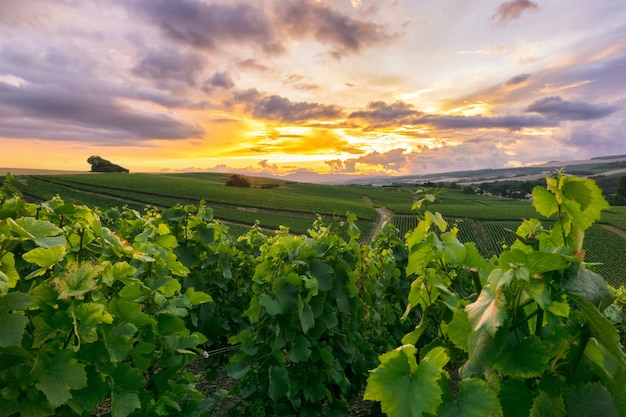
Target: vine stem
[(585, 335)]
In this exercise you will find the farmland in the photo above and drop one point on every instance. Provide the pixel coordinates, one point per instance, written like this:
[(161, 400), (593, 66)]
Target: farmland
[(481, 219), (128, 308)]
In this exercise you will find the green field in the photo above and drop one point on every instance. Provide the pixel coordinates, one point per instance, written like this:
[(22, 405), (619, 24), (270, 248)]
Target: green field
[(295, 205), (482, 219)]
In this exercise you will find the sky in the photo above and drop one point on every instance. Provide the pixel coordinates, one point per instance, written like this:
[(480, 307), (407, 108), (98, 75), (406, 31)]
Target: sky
[(306, 87)]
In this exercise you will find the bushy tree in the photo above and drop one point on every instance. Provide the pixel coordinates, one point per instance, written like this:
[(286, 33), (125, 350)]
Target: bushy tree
[(99, 164), (237, 180)]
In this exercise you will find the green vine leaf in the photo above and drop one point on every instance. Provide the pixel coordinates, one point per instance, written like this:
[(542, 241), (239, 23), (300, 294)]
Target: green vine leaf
[(474, 399), (300, 349), (602, 329), (58, 376), (546, 406), (544, 201), (488, 312), (404, 388), (590, 400), (12, 326), (271, 305), (516, 397), (42, 232), (8, 273), (77, 281), (44, 257), (279, 382), (526, 359)]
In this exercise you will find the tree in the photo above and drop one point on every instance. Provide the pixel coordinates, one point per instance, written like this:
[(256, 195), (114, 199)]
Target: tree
[(621, 187), (237, 180), (99, 164)]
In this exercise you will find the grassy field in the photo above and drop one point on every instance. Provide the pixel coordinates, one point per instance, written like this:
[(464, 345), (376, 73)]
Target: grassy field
[(272, 203), (294, 205)]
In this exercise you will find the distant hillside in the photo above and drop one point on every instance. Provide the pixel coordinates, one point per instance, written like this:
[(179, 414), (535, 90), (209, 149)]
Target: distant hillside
[(600, 165)]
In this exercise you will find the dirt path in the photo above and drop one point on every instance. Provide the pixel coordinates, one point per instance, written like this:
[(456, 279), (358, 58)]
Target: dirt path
[(384, 216), (617, 230)]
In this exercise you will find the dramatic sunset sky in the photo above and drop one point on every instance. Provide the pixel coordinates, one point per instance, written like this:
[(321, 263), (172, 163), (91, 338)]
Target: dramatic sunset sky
[(291, 86)]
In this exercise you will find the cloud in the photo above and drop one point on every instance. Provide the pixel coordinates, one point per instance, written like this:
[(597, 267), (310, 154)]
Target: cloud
[(307, 18), (518, 79), (380, 114), (513, 10), (298, 81), (273, 107), (210, 25), (511, 122), (557, 108), (218, 80), (167, 66), (70, 110), (393, 160), (252, 64)]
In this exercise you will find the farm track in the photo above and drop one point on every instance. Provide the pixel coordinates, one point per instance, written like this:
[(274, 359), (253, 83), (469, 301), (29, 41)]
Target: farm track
[(384, 215), (614, 229)]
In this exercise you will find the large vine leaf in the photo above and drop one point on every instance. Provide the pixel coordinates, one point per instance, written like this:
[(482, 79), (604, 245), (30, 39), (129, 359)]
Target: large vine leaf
[(58, 376), (546, 406), (544, 201), (526, 359), (516, 397), (488, 312), (8, 273), (77, 281), (42, 232), (44, 257), (474, 399), (589, 286), (602, 329), (590, 400), (12, 325), (404, 388), (589, 199), (279, 382)]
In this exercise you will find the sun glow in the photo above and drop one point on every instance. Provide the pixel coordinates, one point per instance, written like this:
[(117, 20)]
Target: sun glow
[(479, 108)]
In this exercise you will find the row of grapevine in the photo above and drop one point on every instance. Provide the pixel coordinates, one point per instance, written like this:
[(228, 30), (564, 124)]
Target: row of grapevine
[(603, 246), (112, 306), (520, 335)]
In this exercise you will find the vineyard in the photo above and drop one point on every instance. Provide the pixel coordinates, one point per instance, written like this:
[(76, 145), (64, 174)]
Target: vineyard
[(603, 247), (127, 310)]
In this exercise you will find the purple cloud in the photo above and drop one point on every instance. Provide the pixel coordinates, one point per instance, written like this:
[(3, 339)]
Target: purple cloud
[(557, 108), (209, 25), (77, 110), (307, 18), (379, 113), (512, 10), (273, 107)]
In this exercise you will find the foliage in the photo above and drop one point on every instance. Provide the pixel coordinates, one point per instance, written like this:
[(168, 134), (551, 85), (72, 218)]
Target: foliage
[(114, 304), (525, 336), (237, 180), (99, 164), (87, 313), (305, 351)]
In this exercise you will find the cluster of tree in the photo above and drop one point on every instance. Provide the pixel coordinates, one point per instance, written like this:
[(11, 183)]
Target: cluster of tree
[(237, 180), (99, 164), (613, 188), (507, 189)]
